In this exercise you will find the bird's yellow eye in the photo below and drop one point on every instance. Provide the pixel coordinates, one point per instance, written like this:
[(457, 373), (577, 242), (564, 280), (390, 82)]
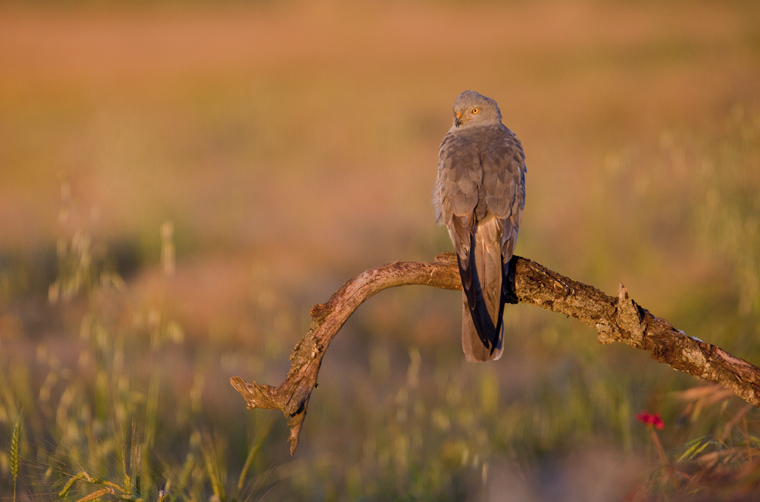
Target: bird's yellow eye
[(475, 111)]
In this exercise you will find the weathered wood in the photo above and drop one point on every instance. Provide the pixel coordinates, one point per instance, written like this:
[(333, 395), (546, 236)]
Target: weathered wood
[(616, 319)]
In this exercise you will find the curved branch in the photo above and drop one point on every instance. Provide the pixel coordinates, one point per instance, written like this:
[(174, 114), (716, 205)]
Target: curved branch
[(616, 319)]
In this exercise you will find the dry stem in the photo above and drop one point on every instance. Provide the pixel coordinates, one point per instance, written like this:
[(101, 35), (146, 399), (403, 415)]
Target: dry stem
[(616, 319)]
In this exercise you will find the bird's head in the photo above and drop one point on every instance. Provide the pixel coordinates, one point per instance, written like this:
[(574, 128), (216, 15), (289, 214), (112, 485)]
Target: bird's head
[(472, 108)]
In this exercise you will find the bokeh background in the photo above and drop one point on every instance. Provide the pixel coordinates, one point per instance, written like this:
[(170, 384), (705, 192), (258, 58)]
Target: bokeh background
[(181, 181)]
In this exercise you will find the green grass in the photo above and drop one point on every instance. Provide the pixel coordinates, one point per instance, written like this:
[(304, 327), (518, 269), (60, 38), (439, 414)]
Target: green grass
[(114, 414)]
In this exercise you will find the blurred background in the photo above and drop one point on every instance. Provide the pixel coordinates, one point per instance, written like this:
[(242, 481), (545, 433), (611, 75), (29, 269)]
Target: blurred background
[(181, 181)]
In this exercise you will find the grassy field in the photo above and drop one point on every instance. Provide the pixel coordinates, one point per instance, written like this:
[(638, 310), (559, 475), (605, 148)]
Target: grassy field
[(179, 183)]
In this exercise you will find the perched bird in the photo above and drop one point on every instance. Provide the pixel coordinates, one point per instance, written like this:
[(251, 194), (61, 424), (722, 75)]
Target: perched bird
[(480, 195)]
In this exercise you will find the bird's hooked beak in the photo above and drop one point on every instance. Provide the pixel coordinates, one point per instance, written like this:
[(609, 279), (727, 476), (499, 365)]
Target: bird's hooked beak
[(458, 119)]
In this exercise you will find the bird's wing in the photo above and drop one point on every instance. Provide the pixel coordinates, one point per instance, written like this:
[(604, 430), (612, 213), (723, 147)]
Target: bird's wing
[(459, 191), (504, 171), (460, 177), (504, 183)]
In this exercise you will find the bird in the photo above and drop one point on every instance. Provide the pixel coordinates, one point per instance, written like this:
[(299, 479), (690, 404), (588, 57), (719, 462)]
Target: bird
[(479, 195)]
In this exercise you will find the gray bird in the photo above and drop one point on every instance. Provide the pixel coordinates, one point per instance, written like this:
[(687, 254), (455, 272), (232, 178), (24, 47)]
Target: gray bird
[(479, 195)]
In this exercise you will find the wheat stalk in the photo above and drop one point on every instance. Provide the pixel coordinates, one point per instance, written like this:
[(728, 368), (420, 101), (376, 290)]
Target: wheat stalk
[(15, 454)]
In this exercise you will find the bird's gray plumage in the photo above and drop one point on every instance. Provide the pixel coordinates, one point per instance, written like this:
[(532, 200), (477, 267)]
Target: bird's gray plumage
[(479, 195)]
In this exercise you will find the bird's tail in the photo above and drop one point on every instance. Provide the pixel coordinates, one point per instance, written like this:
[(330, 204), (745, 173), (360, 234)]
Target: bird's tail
[(474, 350), (489, 272)]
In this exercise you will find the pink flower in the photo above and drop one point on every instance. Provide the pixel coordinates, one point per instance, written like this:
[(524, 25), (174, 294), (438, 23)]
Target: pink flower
[(650, 419)]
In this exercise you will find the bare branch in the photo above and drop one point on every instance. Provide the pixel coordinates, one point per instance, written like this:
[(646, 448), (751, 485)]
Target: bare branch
[(616, 319)]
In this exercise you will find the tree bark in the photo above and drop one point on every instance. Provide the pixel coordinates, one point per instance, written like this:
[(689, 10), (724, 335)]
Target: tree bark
[(616, 319)]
